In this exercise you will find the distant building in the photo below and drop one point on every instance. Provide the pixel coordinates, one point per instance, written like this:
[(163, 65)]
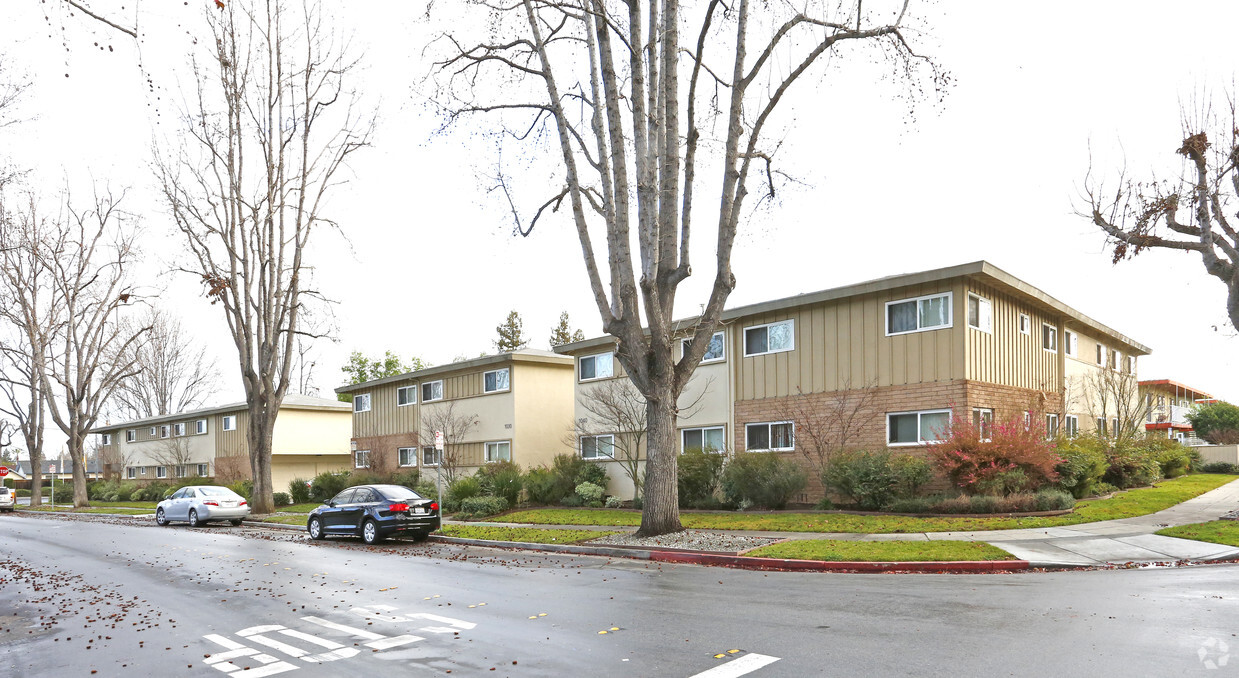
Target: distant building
[(1168, 403)]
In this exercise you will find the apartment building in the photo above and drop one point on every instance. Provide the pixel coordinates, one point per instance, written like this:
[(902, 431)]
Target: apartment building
[(911, 350), (1168, 403), (311, 436), (506, 407)]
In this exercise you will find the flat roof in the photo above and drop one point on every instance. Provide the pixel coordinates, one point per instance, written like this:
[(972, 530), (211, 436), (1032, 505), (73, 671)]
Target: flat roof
[(1200, 395), (524, 355), (292, 401)]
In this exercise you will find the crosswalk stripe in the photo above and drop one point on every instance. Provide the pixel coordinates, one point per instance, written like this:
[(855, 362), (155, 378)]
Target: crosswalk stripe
[(738, 667)]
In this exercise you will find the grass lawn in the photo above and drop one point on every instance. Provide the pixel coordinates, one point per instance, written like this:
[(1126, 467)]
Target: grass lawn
[(298, 508), (1123, 505), (881, 551), (527, 535), (1217, 532), (125, 508), (286, 520)]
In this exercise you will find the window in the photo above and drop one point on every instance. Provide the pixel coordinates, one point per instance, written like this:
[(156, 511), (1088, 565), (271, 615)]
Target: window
[(500, 451), (161, 471), (361, 402), (495, 381), (432, 391), (1025, 324), (1115, 355), (203, 471), (714, 352), (406, 395), (152, 431), (131, 435), (775, 435), (1072, 424), (1101, 354), (180, 471), (107, 438), (983, 422), (708, 439), (1049, 337), (163, 431), (142, 471), (131, 472), (1114, 426), (598, 447), (1101, 426), (361, 459), (230, 422), (1131, 364), (407, 456), (980, 313), (431, 456), (918, 315), (598, 366), (1071, 342), (200, 426), (914, 428), (178, 429), (770, 338), (1051, 425)]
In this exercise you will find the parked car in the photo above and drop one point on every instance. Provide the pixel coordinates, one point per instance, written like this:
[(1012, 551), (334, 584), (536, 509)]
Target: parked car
[(8, 500), (375, 512), (201, 504)]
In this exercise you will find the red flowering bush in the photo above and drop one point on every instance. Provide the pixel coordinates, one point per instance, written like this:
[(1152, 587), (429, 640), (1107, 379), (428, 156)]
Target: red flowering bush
[(996, 459)]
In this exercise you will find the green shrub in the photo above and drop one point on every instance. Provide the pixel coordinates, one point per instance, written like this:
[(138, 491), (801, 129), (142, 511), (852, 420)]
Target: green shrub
[(1132, 465), (911, 505), (762, 479), (245, 488), (873, 480), (22, 493), (327, 485), (108, 497), (570, 470), (572, 501), (282, 499), (501, 479), (590, 493), (363, 476), (697, 475), (407, 478), (64, 493), (1219, 467), (984, 503), (593, 472), (1103, 488), (638, 503), (824, 504), (1084, 463), (1054, 500), (464, 488), (427, 488), (481, 507), (541, 486), (614, 503), (138, 494), (984, 462), (1216, 422), (299, 491), (1173, 458)]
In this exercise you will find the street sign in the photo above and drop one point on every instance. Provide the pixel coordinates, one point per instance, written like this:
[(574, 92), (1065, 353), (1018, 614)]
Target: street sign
[(52, 469), (439, 440), (4, 471)]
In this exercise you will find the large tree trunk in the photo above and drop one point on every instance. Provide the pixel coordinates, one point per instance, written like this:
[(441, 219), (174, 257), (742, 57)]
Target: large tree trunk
[(259, 437), (81, 499), (660, 512)]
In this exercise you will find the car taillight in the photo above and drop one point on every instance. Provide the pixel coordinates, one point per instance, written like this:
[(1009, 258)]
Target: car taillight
[(243, 503), (399, 508), (434, 506), (211, 503)]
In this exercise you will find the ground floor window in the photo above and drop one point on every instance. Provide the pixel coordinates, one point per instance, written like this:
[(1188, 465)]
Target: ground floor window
[(431, 456), (161, 471), (361, 459), (203, 471), (983, 422), (1101, 426), (407, 455), (1051, 425), (598, 447), (1072, 424), (706, 438), (498, 451), (142, 471), (131, 473), (914, 428), (770, 436), (180, 471)]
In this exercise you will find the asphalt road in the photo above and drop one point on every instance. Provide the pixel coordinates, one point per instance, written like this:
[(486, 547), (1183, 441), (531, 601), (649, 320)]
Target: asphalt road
[(108, 596)]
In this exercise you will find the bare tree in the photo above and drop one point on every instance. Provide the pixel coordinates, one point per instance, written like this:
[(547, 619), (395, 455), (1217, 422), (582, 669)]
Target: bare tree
[(615, 406), (1144, 215), (830, 423), (455, 426), (271, 128), (1114, 396), (21, 391), (173, 372), (176, 454), (601, 80)]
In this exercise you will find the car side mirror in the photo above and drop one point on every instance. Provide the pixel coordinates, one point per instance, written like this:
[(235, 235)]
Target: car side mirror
[(332, 504), (167, 496)]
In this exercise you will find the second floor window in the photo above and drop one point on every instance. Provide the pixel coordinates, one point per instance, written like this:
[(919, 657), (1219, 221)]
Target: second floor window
[(1071, 342), (230, 422), (1101, 354), (598, 366), (178, 429), (714, 352), (432, 391), (361, 402), (131, 435), (161, 471), (917, 315), (495, 380), (163, 431), (200, 426), (1049, 337), (980, 313), (107, 438), (406, 395), (1025, 324), (770, 338)]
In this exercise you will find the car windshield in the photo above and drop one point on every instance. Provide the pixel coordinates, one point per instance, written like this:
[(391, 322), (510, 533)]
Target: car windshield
[(216, 492), (397, 492)]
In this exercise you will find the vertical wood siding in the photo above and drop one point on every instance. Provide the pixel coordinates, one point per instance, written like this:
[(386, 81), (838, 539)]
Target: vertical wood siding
[(1006, 356)]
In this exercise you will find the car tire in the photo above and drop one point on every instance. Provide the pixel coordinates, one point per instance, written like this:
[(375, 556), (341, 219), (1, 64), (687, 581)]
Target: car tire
[(161, 519), (315, 528), (193, 518), (235, 522), (421, 536), (370, 532)]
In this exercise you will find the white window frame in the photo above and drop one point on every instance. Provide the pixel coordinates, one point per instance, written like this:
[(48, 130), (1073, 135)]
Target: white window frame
[(488, 457), (1071, 423), (200, 427), (361, 459), (722, 430), (706, 361), (130, 473), (1053, 335), (161, 471), (770, 437), (179, 470), (766, 326), (1071, 343), (229, 422), (1116, 359), (423, 386), (400, 392), (203, 470), (142, 470), (435, 455), (920, 436), (597, 455), (1101, 426), (950, 313), (1131, 364), (594, 356), (1051, 426), (497, 390), (153, 432), (164, 431), (131, 435), (987, 316), (178, 429), (1025, 324), (978, 419), (400, 450), (358, 400), (107, 438)]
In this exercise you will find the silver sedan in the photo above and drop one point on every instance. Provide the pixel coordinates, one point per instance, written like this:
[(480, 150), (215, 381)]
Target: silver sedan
[(200, 504)]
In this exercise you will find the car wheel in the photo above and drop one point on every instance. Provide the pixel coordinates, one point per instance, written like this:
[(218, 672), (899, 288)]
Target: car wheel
[(315, 528), (193, 518), (370, 532), (235, 522), (161, 518), (421, 536)]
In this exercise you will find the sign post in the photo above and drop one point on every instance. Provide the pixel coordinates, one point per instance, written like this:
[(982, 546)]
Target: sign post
[(4, 471), (439, 470), (52, 499)]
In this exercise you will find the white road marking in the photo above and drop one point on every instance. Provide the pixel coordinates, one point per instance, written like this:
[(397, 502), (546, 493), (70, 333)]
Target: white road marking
[(393, 642), (738, 667), (235, 650), (358, 633)]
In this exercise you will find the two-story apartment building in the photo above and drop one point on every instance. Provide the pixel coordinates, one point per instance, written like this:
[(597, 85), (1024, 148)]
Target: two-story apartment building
[(915, 349), (510, 406), (311, 436), (1168, 403)]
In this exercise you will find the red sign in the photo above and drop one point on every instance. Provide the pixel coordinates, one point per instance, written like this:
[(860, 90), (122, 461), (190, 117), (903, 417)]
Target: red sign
[(4, 471)]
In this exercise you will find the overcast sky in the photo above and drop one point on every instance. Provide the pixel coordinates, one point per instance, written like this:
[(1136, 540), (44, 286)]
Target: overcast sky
[(430, 267)]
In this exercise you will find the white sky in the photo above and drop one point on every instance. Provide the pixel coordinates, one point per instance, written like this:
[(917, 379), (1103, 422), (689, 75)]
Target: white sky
[(430, 266)]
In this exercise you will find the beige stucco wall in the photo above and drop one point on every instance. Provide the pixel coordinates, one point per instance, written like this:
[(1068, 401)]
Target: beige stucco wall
[(543, 412), (286, 467), (300, 432)]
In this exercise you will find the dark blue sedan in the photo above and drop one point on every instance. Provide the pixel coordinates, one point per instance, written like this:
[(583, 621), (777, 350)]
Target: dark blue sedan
[(375, 512)]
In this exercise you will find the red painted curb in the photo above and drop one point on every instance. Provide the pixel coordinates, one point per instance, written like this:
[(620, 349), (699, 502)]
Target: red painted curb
[(753, 563)]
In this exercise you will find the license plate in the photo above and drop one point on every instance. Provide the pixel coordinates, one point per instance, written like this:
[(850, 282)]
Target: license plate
[(419, 511)]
